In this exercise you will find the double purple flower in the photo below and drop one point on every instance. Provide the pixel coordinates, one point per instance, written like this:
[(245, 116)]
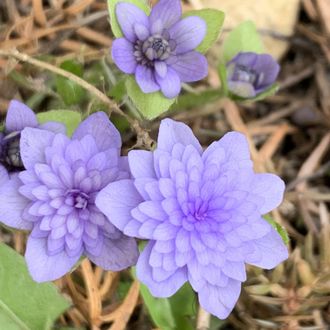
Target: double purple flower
[(54, 197), (201, 212), (249, 74), (159, 49)]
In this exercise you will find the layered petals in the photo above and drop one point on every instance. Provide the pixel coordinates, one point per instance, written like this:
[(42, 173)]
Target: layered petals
[(122, 54), (168, 12)]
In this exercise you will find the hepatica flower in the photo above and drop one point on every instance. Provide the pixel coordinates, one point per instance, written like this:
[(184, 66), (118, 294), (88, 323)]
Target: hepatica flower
[(55, 198), (249, 74), (159, 49), (18, 117), (201, 211)]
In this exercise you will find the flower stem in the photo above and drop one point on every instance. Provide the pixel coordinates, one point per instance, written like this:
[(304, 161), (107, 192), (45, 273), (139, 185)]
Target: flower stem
[(203, 319)]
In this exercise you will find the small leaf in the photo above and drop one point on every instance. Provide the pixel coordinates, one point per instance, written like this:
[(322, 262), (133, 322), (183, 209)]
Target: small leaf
[(214, 20), (244, 38), (268, 92), (70, 91), (112, 12), (223, 78), (25, 304), (150, 105), (71, 119), (281, 230)]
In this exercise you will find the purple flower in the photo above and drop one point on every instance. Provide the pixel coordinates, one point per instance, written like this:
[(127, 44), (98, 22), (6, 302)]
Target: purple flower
[(55, 198), (249, 74), (159, 49), (18, 117), (201, 212)]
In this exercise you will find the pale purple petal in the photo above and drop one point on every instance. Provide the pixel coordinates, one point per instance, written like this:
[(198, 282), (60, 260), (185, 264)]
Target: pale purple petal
[(145, 79), (116, 255), (269, 251), (103, 131), (54, 127), (122, 53), (4, 177), (161, 68), (170, 84), (220, 301), (242, 89), (43, 267), (12, 204), (172, 132), (190, 67), (141, 164), (141, 31), (128, 15), (188, 33), (19, 116), (269, 67), (166, 11), (117, 200), (165, 288)]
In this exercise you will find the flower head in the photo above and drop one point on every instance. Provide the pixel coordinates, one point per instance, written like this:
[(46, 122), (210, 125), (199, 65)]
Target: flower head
[(159, 49), (201, 212), (55, 198), (18, 117), (249, 74)]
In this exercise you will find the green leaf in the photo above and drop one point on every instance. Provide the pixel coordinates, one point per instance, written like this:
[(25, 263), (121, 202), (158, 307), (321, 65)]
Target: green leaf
[(150, 105), (223, 78), (244, 38), (70, 91), (214, 21), (25, 304), (281, 230), (268, 92), (112, 12), (71, 119)]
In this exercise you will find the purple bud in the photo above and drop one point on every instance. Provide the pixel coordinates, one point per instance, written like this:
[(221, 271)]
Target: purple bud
[(249, 74)]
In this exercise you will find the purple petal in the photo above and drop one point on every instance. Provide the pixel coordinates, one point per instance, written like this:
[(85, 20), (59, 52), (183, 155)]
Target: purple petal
[(161, 68), (4, 177), (117, 200), (12, 204), (32, 144), (116, 255), (145, 79), (270, 250), (269, 187), (172, 132), (54, 127), (269, 68), (188, 33), (166, 11), (220, 301), (141, 31), (190, 67), (103, 131), (141, 164), (122, 53), (170, 84), (44, 268), (128, 15), (165, 288), (19, 116)]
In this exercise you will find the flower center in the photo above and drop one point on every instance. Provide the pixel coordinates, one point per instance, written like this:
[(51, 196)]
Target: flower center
[(246, 74), (77, 198), (154, 48), (10, 155)]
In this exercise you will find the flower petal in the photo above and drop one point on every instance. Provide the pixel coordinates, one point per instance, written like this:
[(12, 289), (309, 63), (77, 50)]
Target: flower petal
[(188, 33), (117, 254), (145, 79), (12, 204), (141, 164), (172, 132), (44, 268), (4, 177), (32, 145), (54, 127), (270, 250), (242, 89), (219, 301), (19, 116), (190, 67), (103, 131), (122, 53), (161, 68), (161, 289), (128, 15), (167, 11), (170, 84), (117, 200)]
